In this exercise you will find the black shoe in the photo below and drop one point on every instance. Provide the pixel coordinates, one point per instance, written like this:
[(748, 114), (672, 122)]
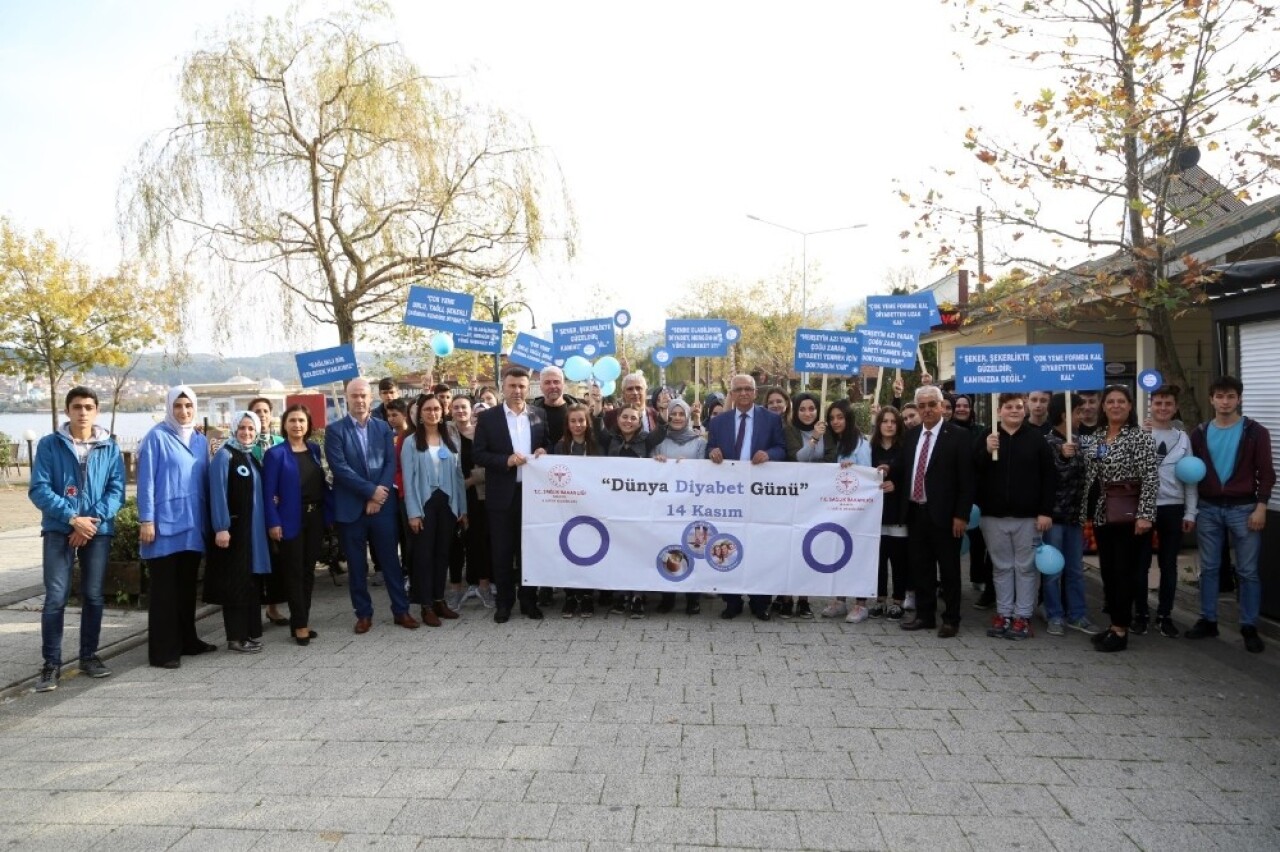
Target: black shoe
[(1098, 638), (170, 664), (731, 612), (570, 607), (1113, 642), (637, 606), (1203, 629), (761, 614), (986, 600), (1252, 641), (803, 610), (501, 615), (1139, 625), (784, 608), (200, 648), (586, 607), (620, 605), (304, 641), (531, 611), (692, 606), (546, 596), (1167, 628), (48, 681), (918, 624), (94, 667), (606, 598), (666, 603)]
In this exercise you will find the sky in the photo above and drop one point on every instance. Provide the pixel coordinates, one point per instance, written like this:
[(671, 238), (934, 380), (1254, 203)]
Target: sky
[(671, 121)]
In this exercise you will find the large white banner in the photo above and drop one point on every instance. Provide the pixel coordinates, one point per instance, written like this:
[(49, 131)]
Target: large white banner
[(694, 526)]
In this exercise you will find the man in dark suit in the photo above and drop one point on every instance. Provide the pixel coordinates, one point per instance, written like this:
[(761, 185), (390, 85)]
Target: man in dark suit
[(935, 475), (745, 432), (506, 437), (362, 458)]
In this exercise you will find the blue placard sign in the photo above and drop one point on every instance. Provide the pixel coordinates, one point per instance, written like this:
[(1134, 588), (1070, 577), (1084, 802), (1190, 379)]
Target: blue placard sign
[(622, 319), (1069, 366), (325, 366), (438, 310), (918, 311), (1150, 380), (589, 338), (888, 347), (826, 351), (661, 357), (480, 336), (532, 352), (996, 369), (697, 338)]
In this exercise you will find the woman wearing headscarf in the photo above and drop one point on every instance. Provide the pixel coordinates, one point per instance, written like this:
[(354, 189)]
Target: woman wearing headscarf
[(274, 592), (240, 553), (804, 432), (681, 442), (712, 405), (173, 471), (298, 503)]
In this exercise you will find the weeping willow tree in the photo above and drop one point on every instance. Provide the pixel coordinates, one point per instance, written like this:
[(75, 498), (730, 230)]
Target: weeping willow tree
[(316, 154)]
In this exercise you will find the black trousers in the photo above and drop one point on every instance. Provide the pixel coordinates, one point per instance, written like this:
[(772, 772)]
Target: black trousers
[(757, 603), (242, 622), (296, 561), (471, 549), (504, 537), (1169, 527), (1119, 558), (431, 548), (893, 553), (979, 562), (933, 552), (171, 613)]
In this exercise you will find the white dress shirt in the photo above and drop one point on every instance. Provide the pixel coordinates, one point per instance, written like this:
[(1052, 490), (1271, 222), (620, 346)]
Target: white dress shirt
[(915, 464), (521, 435)]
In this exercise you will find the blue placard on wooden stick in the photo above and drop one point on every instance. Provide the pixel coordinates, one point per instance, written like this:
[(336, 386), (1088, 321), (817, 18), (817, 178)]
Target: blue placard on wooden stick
[(918, 311), (888, 347), (480, 336), (590, 338), (438, 310), (325, 366), (697, 338), (532, 352), (820, 350)]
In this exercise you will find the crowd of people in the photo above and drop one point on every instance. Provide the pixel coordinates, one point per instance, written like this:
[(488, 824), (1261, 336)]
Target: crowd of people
[(431, 488)]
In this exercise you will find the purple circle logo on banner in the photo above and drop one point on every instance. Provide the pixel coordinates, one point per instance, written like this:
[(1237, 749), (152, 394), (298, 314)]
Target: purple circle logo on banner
[(806, 548), (724, 552), (674, 564), (732, 333), (622, 319), (661, 357), (570, 526), (695, 538), (1150, 380)]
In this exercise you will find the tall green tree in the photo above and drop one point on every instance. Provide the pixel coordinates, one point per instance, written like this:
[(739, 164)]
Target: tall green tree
[(316, 155), (60, 319), (1099, 170)]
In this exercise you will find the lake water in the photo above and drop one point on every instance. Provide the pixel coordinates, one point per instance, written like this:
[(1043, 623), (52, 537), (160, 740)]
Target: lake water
[(130, 427)]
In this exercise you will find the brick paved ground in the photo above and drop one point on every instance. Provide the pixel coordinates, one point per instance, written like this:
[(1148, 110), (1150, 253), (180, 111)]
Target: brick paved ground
[(669, 732)]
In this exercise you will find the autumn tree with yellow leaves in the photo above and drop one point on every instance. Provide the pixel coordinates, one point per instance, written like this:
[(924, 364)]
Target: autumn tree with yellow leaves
[(59, 319), (1142, 88)]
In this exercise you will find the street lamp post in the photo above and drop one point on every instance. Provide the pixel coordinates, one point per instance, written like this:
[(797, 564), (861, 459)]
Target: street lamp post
[(804, 263), (495, 313)]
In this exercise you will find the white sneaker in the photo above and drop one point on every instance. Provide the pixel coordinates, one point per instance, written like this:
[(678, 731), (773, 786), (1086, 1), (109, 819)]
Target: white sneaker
[(453, 599), (485, 593), (909, 602), (858, 615), (835, 609)]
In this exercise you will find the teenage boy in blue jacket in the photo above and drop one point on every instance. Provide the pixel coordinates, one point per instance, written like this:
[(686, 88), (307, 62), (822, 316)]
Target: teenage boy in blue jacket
[(77, 482)]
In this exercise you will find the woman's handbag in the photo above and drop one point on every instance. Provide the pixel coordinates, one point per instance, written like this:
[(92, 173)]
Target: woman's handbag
[(1122, 501)]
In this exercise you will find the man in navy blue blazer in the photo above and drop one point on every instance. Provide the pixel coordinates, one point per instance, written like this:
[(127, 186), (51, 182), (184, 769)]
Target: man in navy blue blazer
[(745, 432), (362, 458)]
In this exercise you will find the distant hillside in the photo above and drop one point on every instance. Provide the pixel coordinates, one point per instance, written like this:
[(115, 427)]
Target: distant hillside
[(200, 368)]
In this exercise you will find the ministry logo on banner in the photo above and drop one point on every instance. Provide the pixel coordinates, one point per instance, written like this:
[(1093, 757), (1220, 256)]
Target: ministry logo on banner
[(694, 526)]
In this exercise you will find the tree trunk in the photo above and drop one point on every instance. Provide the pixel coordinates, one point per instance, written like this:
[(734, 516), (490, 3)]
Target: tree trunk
[(53, 399), (1170, 364)]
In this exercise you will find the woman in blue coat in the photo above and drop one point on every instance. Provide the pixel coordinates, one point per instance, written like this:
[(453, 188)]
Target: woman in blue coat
[(240, 551), (298, 504), (173, 471)]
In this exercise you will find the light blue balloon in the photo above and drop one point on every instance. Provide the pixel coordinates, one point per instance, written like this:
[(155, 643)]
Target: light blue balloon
[(964, 544), (577, 369), (974, 516), (1190, 470), (607, 369), (441, 344), (607, 389), (1049, 560)]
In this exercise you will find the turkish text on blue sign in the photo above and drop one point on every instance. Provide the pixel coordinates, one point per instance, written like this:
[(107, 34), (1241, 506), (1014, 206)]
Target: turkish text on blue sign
[(1022, 369), (918, 311), (438, 310), (480, 336), (1070, 366), (324, 366), (826, 351), (697, 338), (589, 338), (888, 347), (532, 352)]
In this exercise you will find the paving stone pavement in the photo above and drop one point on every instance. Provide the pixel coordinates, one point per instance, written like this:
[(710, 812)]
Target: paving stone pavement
[(666, 733)]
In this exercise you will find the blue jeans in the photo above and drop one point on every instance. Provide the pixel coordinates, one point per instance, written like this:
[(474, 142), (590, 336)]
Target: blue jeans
[(58, 558), (1213, 524), (1068, 538)]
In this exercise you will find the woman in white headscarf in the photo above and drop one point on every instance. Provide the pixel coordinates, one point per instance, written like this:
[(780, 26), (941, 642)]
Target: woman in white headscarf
[(173, 472), (681, 442)]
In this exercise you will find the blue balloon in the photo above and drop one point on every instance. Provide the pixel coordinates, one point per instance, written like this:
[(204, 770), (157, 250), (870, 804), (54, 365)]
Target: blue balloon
[(607, 369), (964, 544), (607, 389), (577, 369), (441, 344), (1190, 470), (974, 516), (1049, 560)]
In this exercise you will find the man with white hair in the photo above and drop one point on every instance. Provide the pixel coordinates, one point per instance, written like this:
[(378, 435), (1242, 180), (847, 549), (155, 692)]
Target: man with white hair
[(635, 388), (935, 472)]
